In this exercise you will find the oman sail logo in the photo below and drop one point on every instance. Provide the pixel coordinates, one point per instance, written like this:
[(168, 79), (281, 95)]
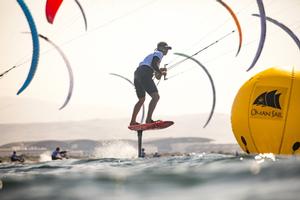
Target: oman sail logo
[(267, 105), (270, 99)]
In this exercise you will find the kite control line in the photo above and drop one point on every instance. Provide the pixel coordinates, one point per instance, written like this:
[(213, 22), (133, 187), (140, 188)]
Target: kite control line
[(215, 42), (1, 75)]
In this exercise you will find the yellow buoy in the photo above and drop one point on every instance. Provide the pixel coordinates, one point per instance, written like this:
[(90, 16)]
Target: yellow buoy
[(265, 115)]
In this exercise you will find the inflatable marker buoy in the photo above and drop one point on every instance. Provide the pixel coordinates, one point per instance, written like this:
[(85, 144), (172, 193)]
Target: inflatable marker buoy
[(265, 115)]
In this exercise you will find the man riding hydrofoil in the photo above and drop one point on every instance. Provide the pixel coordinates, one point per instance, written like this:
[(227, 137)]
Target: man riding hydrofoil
[(143, 81)]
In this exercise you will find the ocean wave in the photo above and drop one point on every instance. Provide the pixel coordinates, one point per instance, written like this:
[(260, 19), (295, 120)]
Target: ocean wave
[(212, 176)]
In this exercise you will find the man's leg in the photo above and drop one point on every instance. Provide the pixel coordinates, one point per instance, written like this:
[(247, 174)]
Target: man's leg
[(152, 105), (136, 110)]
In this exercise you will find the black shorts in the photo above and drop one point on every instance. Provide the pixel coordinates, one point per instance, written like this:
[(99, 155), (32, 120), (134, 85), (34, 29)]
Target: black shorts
[(143, 81)]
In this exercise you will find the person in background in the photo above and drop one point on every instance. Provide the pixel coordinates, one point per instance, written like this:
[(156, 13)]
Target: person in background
[(156, 155), (56, 154), (15, 158), (59, 155), (143, 154)]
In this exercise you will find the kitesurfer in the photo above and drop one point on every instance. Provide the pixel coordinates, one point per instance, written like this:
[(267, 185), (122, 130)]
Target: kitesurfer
[(156, 155), (14, 157), (143, 81), (56, 155)]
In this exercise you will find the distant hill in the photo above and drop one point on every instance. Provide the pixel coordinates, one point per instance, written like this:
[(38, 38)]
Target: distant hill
[(43, 121), (106, 129), (165, 145)]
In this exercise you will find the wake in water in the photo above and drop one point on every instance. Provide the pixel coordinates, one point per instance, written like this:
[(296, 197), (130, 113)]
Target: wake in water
[(109, 149), (46, 156), (115, 149)]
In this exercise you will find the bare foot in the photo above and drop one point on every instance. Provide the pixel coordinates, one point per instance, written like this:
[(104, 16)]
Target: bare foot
[(152, 121), (134, 123)]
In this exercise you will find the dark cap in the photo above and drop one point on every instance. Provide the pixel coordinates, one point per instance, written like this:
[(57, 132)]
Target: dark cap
[(163, 45)]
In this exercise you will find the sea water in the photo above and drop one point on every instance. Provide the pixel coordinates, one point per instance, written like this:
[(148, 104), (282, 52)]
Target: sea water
[(194, 176)]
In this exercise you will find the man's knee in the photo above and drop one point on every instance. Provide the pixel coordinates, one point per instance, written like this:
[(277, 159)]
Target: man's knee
[(155, 96), (141, 100)]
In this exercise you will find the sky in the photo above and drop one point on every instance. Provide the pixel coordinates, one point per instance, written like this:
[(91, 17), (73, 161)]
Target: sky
[(120, 34)]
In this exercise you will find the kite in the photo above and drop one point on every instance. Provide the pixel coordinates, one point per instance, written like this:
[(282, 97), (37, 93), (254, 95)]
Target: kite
[(263, 31), (71, 77), (211, 81), (36, 46), (283, 27), (83, 14), (143, 113), (236, 22), (52, 7)]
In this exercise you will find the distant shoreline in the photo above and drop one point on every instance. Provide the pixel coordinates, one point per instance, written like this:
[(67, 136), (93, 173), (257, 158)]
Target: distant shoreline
[(89, 149), (36, 159)]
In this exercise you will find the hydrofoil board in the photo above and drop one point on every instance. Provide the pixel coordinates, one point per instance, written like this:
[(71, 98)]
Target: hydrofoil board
[(151, 126)]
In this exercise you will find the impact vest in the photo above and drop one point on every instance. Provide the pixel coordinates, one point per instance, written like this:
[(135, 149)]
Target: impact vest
[(148, 60)]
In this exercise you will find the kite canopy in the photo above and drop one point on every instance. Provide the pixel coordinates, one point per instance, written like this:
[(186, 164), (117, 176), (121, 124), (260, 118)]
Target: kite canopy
[(52, 7), (68, 65), (211, 82), (36, 46), (236, 22), (263, 31), (283, 27)]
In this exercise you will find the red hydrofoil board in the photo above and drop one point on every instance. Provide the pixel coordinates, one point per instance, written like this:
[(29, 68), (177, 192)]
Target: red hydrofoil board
[(151, 126)]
